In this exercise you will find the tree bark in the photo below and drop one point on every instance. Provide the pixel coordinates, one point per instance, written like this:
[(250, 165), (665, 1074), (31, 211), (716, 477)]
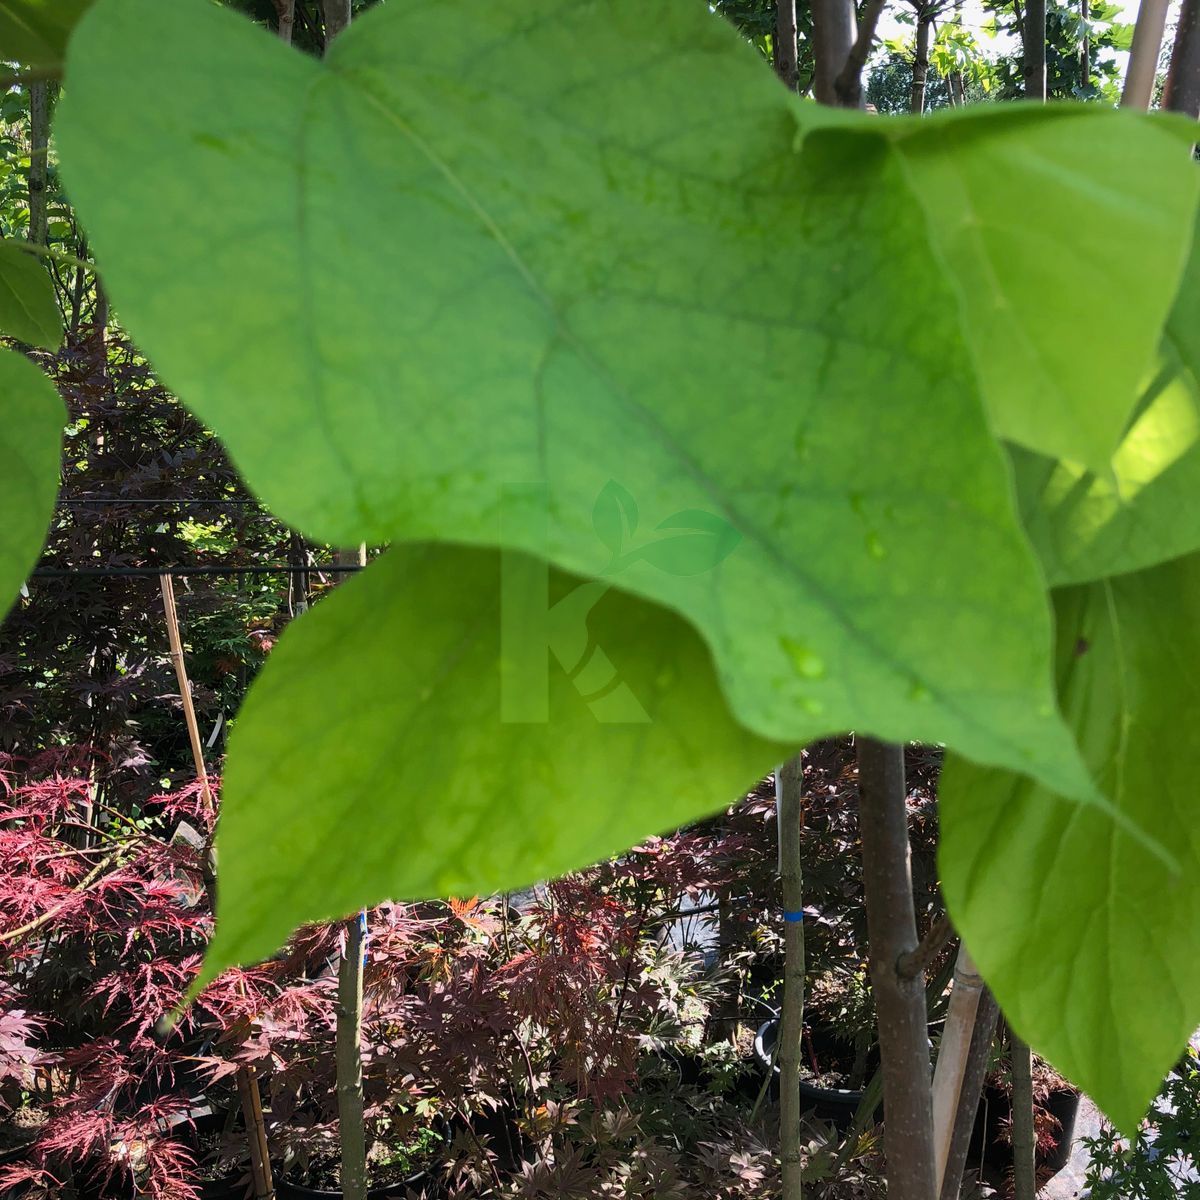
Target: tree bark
[(1143, 54), (285, 13), (787, 59), (1085, 48), (351, 1126), (1034, 40), (916, 98), (789, 783), (953, 1054), (39, 142), (337, 17), (1023, 1141), (968, 1096), (899, 999), (834, 30), (1182, 91)]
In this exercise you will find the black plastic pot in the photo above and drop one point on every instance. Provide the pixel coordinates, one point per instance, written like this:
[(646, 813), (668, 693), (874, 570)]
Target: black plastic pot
[(286, 1190), (995, 1108), (837, 1105)]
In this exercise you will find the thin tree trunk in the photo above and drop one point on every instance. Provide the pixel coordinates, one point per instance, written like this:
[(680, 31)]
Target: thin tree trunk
[(1085, 48), (337, 17), (1023, 1143), (1182, 92), (351, 1126), (834, 31), (298, 585), (39, 141), (285, 13), (789, 783), (953, 1054), (1143, 54), (916, 98), (1034, 38), (899, 999), (968, 1096), (787, 60)]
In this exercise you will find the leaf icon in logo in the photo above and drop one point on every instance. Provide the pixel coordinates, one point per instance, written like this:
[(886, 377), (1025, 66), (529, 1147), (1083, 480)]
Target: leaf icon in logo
[(614, 516), (702, 541)]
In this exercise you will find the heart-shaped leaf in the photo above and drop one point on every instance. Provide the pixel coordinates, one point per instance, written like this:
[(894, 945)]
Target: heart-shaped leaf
[(34, 33), (1143, 510), (1091, 945), (31, 421), (1021, 209), (551, 275), (373, 758), (28, 308)]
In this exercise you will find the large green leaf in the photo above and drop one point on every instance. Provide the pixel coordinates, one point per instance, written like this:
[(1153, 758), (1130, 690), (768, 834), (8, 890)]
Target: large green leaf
[(34, 33), (1065, 239), (1142, 510), (31, 421), (1092, 946), (400, 279), (28, 308), (377, 755)]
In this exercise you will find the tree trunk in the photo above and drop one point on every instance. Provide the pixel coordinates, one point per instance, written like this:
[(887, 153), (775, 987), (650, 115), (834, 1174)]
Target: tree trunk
[(39, 141), (899, 999), (1182, 92), (1023, 1141), (351, 1126), (1034, 39), (968, 1097), (1143, 54), (285, 13), (787, 60), (337, 17), (789, 783), (916, 99), (834, 31), (1085, 48), (952, 1056)]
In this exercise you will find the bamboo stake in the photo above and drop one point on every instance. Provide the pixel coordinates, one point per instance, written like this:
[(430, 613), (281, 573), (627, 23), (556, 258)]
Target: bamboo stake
[(185, 690), (789, 782), (247, 1078), (256, 1131), (968, 1098), (952, 1057)]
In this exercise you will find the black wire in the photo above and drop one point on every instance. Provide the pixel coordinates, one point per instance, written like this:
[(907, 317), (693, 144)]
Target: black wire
[(168, 500), (154, 572)]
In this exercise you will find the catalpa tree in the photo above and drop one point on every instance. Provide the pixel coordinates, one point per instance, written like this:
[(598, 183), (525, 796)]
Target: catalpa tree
[(700, 422)]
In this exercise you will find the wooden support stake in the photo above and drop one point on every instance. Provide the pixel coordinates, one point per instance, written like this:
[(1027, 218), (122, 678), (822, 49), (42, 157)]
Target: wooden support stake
[(247, 1078), (952, 1056), (256, 1133), (185, 690)]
